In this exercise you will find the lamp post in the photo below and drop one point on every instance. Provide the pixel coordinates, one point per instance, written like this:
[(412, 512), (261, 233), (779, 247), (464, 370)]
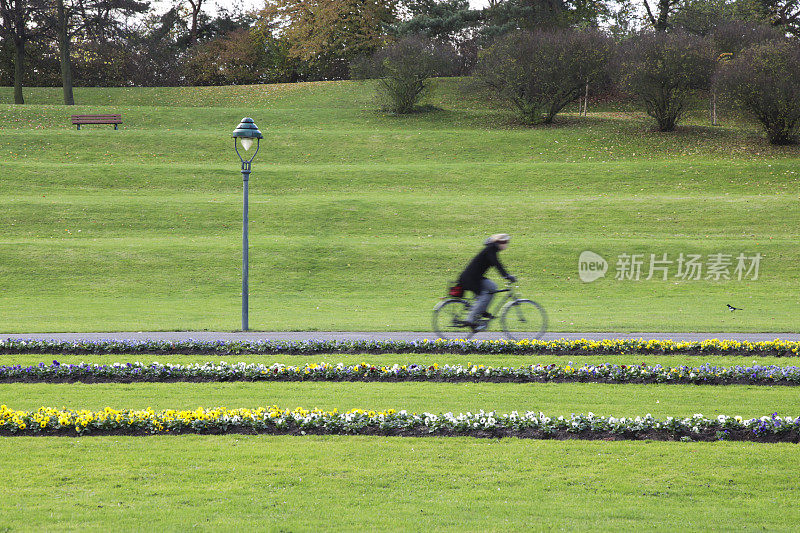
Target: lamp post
[(247, 131)]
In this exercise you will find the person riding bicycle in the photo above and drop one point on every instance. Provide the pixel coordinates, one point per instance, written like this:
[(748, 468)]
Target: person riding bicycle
[(472, 278)]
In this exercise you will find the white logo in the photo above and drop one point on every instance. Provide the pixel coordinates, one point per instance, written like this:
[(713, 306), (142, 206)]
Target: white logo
[(687, 267), (591, 266)]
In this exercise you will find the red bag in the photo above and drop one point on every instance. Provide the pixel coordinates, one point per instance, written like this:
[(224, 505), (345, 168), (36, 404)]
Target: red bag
[(457, 291)]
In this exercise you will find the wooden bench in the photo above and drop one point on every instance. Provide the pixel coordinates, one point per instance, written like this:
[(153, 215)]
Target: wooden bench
[(78, 120)]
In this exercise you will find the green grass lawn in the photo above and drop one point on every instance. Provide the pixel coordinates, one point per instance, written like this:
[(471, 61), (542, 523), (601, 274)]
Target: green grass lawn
[(280, 483), (347, 483), (553, 399), (396, 484), (358, 219)]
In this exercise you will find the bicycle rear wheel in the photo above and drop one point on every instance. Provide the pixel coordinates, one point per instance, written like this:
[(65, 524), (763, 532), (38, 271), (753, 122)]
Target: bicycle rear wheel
[(448, 320), (523, 319)]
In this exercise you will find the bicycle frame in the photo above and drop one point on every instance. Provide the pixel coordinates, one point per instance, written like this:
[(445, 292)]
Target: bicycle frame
[(497, 303)]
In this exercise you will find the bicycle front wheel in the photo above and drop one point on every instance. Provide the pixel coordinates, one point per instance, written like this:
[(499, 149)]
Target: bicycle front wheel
[(523, 319), (448, 320)]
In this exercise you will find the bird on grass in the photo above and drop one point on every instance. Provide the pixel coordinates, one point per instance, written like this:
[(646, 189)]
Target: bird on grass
[(732, 308)]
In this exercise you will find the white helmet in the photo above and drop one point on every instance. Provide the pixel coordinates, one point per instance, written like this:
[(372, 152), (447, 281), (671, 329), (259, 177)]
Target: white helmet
[(498, 238)]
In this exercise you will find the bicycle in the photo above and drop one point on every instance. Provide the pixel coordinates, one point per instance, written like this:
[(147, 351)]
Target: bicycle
[(519, 317)]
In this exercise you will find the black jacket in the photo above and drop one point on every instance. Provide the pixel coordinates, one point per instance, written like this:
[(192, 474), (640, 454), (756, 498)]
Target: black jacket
[(471, 278)]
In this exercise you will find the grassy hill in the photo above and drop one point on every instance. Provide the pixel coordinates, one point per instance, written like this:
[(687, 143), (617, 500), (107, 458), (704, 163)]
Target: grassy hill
[(359, 219)]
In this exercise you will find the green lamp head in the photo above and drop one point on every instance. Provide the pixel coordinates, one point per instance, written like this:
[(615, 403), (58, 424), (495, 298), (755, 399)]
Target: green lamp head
[(247, 131)]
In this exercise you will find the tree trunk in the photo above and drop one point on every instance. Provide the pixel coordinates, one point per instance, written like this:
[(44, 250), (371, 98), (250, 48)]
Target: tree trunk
[(63, 47), (714, 108), (661, 22), (16, 27), (13, 27), (19, 69), (663, 14), (197, 5), (193, 31), (586, 101)]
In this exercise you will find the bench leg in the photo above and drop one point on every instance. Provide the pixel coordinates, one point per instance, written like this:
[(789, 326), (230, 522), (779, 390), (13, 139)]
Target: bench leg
[(115, 126), (79, 126)]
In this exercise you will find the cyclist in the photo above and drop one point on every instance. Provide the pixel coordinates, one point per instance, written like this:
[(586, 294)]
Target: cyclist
[(472, 278)]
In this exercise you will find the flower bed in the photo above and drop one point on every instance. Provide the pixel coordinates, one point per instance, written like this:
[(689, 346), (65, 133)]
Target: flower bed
[(537, 373), (778, 348), (273, 420)]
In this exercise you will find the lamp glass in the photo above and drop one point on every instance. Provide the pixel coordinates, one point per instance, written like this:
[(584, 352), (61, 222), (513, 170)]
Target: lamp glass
[(247, 143)]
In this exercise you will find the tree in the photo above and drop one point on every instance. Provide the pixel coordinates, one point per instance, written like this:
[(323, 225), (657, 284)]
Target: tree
[(732, 37), (622, 21), (660, 20), (328, 34), (62, 30), (506, 16), (90, 21), (728, 38), (229, 60), (452, 22), (197, 6), (244, 56), (16, 16), (203, 28), (107, 20), (404, 70), (765, 81), (591, 13), (539, 73), (443, 20), (662, 69), (783, 14), (158, 49), (704, 17), (225, 22)]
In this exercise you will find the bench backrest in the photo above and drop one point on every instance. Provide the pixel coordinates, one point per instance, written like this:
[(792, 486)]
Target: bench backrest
[(97, 119)]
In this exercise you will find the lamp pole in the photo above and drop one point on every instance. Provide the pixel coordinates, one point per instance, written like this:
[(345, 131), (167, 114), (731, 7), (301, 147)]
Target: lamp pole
[(246, 131), (245, 247)]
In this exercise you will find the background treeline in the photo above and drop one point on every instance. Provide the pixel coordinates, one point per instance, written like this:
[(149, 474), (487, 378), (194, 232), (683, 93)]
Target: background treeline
[(125, 43)]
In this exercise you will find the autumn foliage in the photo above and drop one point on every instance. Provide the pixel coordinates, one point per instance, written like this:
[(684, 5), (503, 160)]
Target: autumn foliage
[(326, 35)]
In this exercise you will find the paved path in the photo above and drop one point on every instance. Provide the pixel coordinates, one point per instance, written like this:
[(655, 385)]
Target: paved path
[(351, 335)]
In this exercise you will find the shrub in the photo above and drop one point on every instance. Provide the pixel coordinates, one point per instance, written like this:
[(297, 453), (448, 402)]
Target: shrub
[(404, 70), (538, 73), (765, 81), (734, 36), (662, 69)]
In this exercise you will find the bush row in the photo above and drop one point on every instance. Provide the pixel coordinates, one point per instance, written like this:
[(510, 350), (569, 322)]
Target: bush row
[(273, 420), (538, 73), (775, 348), (537, 373)]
